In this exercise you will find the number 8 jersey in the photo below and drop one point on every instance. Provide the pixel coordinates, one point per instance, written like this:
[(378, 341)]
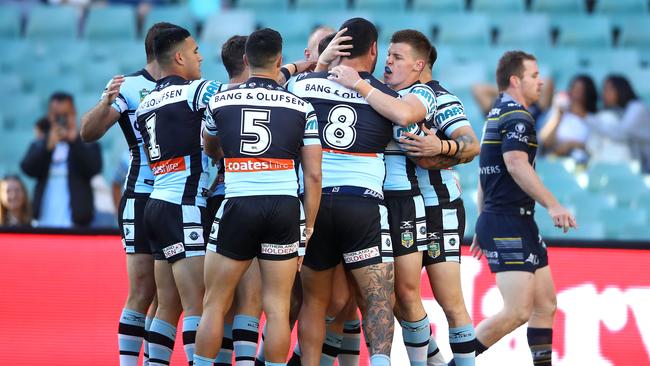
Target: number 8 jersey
[(170, 120)]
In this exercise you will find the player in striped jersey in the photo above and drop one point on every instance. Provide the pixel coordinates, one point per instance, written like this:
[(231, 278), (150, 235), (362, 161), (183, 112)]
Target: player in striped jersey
[(506, 230), (118, 103), (261, 129)]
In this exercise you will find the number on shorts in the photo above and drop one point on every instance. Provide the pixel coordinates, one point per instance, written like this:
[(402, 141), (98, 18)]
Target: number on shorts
[(154, 149), (339, 131), (253, 125)]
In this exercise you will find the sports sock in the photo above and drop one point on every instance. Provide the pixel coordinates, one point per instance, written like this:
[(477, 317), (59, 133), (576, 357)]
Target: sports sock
[(294, 360), (434, 356), (480, 347), (267, 363), (259, 361), (351, 343), (190, 325), (331, 348), (463, 344), (202, 361), (379, 360), (161, 342), (244, 335), (540, 341), (130, 334), (224, 357), (416, 340), (147, 326)]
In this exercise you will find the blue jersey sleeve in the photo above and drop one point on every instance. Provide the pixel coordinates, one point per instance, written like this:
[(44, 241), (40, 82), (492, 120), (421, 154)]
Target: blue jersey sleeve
[(517, 131), (311, 127), (200, 92), (449, 116), (427, 97)]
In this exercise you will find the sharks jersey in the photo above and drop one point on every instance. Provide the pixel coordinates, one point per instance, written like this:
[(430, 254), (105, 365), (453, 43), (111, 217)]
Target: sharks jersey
[(170, 120)]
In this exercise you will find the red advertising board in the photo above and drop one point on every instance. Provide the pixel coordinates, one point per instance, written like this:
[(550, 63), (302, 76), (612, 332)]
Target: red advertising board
[(62, 295)]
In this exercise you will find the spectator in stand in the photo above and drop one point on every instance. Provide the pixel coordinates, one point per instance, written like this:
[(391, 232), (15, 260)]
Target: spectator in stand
[(486, 94), (14, 203), (621, 131), (63, 167), (567, 128)]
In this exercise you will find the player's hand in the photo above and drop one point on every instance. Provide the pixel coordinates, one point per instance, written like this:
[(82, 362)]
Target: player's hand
[(57, 134), (475, 248), (562, 218), (309, 231), (428, 145), (112, 90), (345, 75), (335, 49)]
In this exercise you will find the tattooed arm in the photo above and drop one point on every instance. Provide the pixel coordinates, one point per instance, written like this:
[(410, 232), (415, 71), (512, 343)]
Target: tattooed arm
[(420, 148)]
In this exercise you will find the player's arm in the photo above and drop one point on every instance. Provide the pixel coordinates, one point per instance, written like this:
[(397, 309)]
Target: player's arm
[(211, 140), (311, 155), (422, 148), (403, 111), (289, 70), (103, 115)]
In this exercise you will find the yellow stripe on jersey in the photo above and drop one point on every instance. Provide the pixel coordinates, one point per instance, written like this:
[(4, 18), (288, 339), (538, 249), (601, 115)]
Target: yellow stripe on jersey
[(511, 112)]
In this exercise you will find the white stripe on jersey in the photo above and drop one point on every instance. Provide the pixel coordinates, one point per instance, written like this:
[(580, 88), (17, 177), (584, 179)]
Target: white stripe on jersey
[(263, 97), (320, 88)]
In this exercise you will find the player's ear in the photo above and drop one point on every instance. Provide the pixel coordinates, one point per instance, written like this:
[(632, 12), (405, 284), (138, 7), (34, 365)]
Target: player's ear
[(178, 57), (278, 62), (419, 65), (514, 81), (246, 61), (373, 49)]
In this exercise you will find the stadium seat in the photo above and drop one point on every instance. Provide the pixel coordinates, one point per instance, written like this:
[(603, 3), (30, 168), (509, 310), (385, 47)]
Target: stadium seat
[(25, 110), (214, 71), (522, 30), (463, 29), (320, 5), (438, 6), (389, 23), (35, 69), (293, 51), (621, 6), (461, 77), (9, 22), (559, 6), (297, 30), (635, 32), (587, 230), (15, 144), (614, 59), (85, 101), (263, 5), (499, 7), (640, 79), (115, 23), (12, 83), (380, 5), (584, 31), (52, 22), (179, 15), (617, 219), (601, 173), (95, 75), (637, 232), (219, 27), (335, 19), (71, 84), (559, 59)]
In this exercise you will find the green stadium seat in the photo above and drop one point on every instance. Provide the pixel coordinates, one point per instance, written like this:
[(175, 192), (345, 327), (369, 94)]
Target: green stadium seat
[(335, 19), (584, 31), (590, 230), (464, 29), (559, 6), (461, 77), (52, 22), (111, 23), (320, 5), (263, 5), (9, 61), (9, 22), (635, 32), (559, 59), (617, 219), (214, 71), (95, 75), (634, 233), (438, 6), (621, 6), (601, 173), (71, 84), (219, 27), (15, 144), (498, 7), (521, 31), (11, 84), (85, 101), (295, 31), (179, 15), (614, 59), (389, 23), (640, 79), (294, 51), (380, 5), (33, 70)]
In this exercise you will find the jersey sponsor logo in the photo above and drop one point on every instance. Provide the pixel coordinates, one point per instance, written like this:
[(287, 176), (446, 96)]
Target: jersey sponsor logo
[(372, 193), (517, 136), (433, 249), (421, 231), (129, 232), (361, 255), (426, 93), (247, 165), (279, 249), (448, 113), (210, 91), (406, 225), (407, 239), (168, 166), (399, 131), (328, 90), (173, 250), (451, 242), (490, 169), (173, 93), (143, 93), (532, 259), (494, 112)]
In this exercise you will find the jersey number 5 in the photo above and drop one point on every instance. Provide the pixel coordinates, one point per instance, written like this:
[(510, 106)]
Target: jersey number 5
[(339, 131), (253, 124), (154, 149)]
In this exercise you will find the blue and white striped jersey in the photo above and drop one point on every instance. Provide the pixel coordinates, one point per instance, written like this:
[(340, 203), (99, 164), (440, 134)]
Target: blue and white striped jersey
[(401, 176), (261, 128), (139, 179), (440, 186), (170, 120), (353, 135)]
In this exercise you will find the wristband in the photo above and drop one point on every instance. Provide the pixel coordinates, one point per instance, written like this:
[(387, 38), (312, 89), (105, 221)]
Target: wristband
[(354, 87), (295, 67), (370, 93), (286, 73)]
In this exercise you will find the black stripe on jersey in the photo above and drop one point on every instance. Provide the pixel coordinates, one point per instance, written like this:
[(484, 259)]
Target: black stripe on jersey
[(412, 175), (435, 177), (192, 183), (134, 170), (144, 73), (195, 101)]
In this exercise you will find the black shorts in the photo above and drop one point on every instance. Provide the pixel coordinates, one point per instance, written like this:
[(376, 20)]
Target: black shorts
[(446, 228), (175, 231), (351, 228), (211, 209), (408, 224), (130, 218), (511, 243), (266, 227)]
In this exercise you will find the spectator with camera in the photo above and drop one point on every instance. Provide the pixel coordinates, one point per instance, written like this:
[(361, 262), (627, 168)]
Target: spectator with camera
[(63, 167)]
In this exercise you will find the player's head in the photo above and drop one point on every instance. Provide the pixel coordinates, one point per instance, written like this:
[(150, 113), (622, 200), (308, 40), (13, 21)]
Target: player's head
[(177, 52), (311, 52), (518, 73), (152, 33), (617, 91), (408, 53), (364, 40), (264, 50), (232, 56)]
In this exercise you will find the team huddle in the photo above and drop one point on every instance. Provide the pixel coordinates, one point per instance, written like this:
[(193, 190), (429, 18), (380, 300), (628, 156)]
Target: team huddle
[(333, 191)]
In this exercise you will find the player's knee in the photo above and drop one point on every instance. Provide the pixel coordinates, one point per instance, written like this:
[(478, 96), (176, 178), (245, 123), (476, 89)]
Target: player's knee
[(546, 308), (338, 302), (407, 296), (520, 315), (456, 312), (141, 297)]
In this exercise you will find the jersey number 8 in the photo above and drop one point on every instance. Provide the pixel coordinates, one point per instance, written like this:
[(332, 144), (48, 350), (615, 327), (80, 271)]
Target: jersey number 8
[(253, 125), (339, 131)]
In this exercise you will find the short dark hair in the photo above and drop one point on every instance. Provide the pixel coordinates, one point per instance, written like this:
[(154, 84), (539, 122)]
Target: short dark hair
[(363, 34), (61, 96), (322, 45), (433, 56), (152, 33), (232, 55), (591, 94), (418, 41), (511, 63), (166, 42), (262, 47), (624, 91)]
